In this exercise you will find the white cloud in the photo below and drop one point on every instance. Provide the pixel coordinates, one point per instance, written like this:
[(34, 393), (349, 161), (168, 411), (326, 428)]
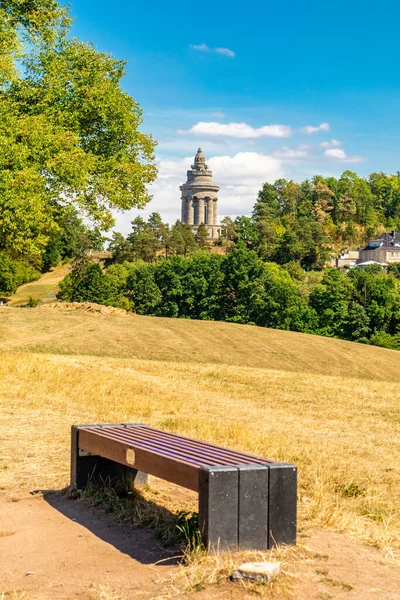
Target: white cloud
[(200, 47), (225, 51), (309, 129), (240, 178), (331, 144), (218, 114), (205, 48), (292, 153), (335, 153), (244, 167), (238, 130), (340, 155)]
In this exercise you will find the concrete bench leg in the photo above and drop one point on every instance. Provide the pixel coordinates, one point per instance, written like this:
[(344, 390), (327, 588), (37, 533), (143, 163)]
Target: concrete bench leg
[(88, 469), (282, 504), (218, 507), (250, 507), (253, 507)]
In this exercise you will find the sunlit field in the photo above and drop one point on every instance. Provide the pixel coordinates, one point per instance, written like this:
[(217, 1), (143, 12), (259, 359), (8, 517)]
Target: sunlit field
[(331, 407)]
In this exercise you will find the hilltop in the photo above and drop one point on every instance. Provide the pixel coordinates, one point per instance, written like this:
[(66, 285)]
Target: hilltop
[(182, 340)]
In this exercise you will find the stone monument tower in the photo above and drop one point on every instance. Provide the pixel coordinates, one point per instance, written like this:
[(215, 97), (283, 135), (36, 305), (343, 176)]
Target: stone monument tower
[(200, 198)]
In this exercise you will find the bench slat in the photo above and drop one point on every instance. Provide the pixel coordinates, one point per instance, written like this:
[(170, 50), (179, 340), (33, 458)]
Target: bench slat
[(170, 446), (171, 469), (153, 447), (197, 443), (189, 450)]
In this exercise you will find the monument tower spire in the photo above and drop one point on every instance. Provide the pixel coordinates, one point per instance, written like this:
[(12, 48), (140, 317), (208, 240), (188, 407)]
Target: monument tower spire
[(200, 198)]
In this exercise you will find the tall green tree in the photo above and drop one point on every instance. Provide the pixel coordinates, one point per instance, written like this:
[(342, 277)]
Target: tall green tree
[(161, 231), (121, 248), (228, 232), (201, 237), (69, 134), (182, 240), (144, 240)]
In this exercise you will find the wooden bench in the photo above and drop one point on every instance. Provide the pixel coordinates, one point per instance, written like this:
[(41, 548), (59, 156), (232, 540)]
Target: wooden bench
[(245, 502)]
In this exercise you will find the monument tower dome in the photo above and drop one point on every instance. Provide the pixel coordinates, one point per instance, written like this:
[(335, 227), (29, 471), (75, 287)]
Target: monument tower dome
[(200, 198)]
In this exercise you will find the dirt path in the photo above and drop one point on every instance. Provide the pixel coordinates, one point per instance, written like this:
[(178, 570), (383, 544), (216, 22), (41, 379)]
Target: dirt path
[(57, 548), (61, 549)]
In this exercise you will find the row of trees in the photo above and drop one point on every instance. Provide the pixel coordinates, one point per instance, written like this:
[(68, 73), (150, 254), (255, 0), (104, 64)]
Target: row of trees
[(308, 222), (240, 287), (304, 222), (153, 238)]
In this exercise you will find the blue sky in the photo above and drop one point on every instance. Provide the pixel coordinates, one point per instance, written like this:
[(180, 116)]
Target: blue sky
[(259, 87)]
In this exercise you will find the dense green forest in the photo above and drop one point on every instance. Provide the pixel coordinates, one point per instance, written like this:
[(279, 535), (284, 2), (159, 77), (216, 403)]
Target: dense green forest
[(309, 222)]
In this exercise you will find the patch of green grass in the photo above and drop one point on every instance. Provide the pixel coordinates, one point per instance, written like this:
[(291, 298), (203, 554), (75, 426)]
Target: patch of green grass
[(40, 289), (351, 490), (32, 302)]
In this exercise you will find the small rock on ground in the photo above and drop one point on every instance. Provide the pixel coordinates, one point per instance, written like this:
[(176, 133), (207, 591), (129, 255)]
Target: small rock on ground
[(257, 571)]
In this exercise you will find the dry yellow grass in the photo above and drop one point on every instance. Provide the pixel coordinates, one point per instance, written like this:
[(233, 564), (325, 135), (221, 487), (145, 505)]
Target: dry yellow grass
[(341, 427), (179, 340), (203, 571)]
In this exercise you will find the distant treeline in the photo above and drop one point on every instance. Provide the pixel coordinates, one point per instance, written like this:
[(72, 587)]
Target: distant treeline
[(304, 222), (270, 271), (308, 221), (240, 287)]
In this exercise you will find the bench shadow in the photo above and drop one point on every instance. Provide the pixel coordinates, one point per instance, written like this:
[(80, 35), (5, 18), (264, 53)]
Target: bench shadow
[(139, 543)]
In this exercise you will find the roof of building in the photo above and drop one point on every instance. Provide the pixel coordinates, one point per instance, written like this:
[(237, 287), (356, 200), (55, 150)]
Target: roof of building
[(371, 262), (387, 242)]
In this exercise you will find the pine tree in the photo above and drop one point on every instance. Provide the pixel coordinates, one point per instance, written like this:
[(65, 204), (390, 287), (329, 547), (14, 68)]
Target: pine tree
[(201, 237)]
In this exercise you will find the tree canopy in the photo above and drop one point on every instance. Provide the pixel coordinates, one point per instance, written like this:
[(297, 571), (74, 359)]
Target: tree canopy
[(309, 221), (149, 240), (69, 134)]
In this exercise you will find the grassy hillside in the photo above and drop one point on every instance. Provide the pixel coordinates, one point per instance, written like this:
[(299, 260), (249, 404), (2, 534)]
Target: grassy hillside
[(329, 406), (40, 289), (162, 339)]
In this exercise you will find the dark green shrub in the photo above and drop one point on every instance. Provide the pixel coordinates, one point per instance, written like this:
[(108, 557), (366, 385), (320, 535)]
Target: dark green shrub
[(32, 302)]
